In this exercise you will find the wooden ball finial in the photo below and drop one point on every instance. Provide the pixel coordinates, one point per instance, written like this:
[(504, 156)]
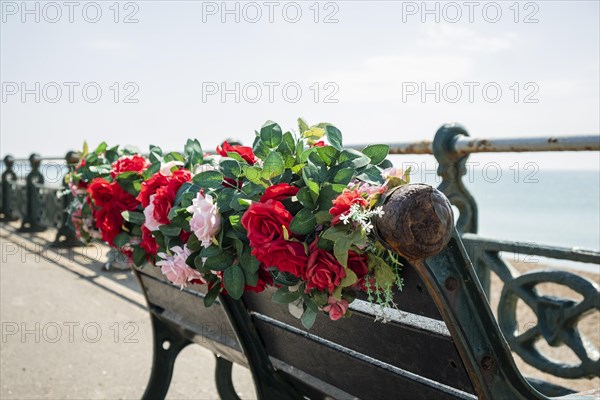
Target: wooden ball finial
[(418, 221)]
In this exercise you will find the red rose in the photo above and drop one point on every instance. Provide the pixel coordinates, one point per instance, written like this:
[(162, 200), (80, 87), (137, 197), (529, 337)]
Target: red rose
[(320, 143), (184, 236), (178, 178), (100, 191), (324, 272), (244, 151), (149, 187), (122, 200), (265, 222), (343, 202), (135, 163), (287, 256), (279, 192), (148, 243), (358, 264), (109, 222), (163, 201), (173, 181)]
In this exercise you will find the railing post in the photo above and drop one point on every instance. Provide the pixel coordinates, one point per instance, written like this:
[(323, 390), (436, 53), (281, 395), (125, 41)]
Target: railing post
[(66, 237), (451, 168), (34, 215), (9, 182)]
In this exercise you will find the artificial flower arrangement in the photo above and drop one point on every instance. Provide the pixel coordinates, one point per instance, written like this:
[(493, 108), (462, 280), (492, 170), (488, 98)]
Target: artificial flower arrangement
[(292, 211)]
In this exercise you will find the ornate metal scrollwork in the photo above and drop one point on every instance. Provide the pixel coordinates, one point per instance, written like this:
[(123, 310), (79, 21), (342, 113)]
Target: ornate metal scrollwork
[(556, 321)]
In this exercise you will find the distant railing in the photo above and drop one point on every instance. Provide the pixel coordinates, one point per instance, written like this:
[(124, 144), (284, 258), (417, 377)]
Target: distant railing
[(38, 206)]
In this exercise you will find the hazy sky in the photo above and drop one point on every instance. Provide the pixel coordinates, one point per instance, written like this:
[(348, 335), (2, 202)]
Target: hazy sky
[(361, 65)]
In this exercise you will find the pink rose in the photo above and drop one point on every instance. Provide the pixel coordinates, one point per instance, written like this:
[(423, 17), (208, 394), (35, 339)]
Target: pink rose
[(150, 222), (176, 269), (335, 308), (206, 219)]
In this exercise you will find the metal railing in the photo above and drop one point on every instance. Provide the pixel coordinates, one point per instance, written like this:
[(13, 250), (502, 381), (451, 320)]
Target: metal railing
[(39, 207)]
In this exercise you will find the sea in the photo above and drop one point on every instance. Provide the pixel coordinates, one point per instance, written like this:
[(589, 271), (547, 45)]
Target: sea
[(524, 203)]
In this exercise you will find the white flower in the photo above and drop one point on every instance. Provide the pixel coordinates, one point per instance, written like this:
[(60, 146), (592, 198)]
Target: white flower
[(206, 219), (165, 168), (362, 216), (175, 267), (150, 222)]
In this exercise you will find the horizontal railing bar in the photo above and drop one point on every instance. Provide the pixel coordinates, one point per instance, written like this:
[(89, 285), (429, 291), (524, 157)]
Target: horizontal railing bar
[(26, 159), (561, 253), (468, 145)]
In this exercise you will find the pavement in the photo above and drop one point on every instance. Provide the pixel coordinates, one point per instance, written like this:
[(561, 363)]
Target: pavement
[(72, 330)]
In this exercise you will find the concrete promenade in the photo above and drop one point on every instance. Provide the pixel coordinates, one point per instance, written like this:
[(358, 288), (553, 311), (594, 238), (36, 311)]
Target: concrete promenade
[(71, 330)]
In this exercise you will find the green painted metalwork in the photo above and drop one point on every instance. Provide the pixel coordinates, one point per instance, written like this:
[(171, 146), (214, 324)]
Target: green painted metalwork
[(223, 379), (65, 236), (9, 183), (557, 318), (33, 217), (452, 167)]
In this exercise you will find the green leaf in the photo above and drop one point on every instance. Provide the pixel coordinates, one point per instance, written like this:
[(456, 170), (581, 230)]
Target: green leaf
[(326, 197), (193, 151), (308, 318), (230, 168), (334, 136), (284, 296), (260, 149), (340, 250), (354, 159), (303, 223), (384, 274), (371, 175), (134, 217), (255, 175), (208, 179), (285, 278), (249, 262), (305, 198), (328, 154), (101, 148), (323, 217), (139, 256), (288, 145), (343, 176), (219, 262), (270, 134), (313, 186), (302, 125), (212, 295), (224, 199), (376, 152), (121, 239), (347, 281), (193, 243), (233, 279), (169, 230), (273, 165)]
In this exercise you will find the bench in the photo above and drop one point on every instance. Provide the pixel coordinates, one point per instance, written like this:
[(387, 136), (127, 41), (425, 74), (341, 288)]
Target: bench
[(443, 342)]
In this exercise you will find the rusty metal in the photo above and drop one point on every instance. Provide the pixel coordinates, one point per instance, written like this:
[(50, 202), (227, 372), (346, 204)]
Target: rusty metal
[(464, 146)]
